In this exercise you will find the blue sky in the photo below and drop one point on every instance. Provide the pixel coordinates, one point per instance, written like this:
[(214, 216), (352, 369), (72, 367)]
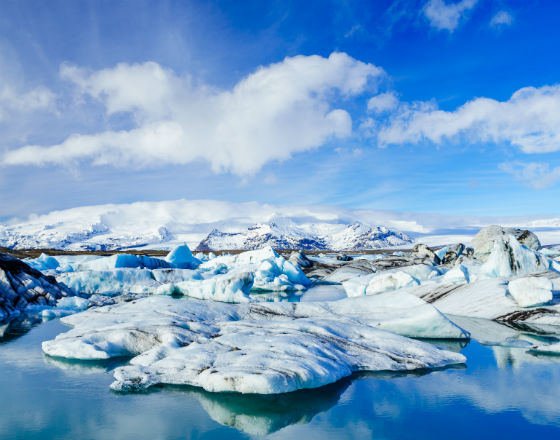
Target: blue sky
[(427, 106)]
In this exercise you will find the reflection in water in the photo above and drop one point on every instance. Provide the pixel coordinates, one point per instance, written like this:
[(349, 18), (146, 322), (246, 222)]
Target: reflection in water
[(264, 414), (320, 292), (17, 326), (98, 366)]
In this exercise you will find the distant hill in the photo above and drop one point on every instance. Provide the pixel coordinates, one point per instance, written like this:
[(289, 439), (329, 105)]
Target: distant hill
[(284, 234)]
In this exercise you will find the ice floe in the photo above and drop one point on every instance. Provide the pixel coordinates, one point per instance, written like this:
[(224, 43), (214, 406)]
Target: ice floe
[(531, 291), (225, 278), (230, 287), (271, 271), (406, 276), (256, 348), (509, 258)]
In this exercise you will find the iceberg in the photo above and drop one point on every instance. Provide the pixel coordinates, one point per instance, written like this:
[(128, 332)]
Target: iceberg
[(43, 262), (531, 291), (489, 299), (509, 258), (65, 306), (271, 271), (119, 261), (182, 258), (551, 349), (263, 348), (457, 275), (231, 287), (393, 279), (282, 356), (113, 281)]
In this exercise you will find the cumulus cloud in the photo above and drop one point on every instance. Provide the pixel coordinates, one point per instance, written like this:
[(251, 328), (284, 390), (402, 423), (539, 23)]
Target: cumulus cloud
[(14, 100), (383, 102), (446, 16), (502, 18), (281, 109), (537, 175), (530, 120)]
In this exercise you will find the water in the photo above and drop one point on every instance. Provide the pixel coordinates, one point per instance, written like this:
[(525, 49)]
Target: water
[(502, 392)]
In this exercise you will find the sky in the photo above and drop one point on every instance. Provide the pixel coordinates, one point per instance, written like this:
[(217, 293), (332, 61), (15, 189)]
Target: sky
[(441, 106)]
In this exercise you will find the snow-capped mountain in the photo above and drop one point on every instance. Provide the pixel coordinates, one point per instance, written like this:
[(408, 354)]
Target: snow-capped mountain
[(166, 224), (220, 225), (284, 234)]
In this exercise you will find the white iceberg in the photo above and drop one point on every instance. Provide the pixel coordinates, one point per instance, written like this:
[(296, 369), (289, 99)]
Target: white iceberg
[(531, 291), (489, 299), (457, 275), (272, 272), (65, 306), (282, 356), (509, 258), (393, 279), (231, 287), (253, 348), (110, 281)]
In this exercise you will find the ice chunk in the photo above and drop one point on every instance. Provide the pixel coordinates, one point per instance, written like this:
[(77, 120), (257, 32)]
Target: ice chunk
[(118, 261), (484, 241), (43, 262), (389, 281), (407, 276), (457, 275), (488, 299), (282, 356), (509, 258), (110, 281), (66, 306), (231, 287), (531, 291), (182, 258), (271, 271), (253, 348), (398, 312), (21, 286)]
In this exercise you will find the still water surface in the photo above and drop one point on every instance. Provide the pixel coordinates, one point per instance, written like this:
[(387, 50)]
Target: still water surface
[(501, 393)]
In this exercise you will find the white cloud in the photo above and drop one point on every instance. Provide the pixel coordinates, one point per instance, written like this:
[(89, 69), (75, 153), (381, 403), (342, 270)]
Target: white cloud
[(278, 110), (383, 102), (502, 18), (446, 16), (537, 175), (14, 100), (530, 120)]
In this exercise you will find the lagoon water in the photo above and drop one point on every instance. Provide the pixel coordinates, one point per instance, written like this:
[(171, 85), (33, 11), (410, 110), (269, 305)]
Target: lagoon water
[(501, 392)]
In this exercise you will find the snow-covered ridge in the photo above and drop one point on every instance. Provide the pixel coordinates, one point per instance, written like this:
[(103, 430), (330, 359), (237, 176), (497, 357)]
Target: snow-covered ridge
[(167, 224), (281, 233), (221, 225)]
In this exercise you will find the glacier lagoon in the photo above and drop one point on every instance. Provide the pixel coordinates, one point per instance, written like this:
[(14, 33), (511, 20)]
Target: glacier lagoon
[(288, 325), (500, 390)]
